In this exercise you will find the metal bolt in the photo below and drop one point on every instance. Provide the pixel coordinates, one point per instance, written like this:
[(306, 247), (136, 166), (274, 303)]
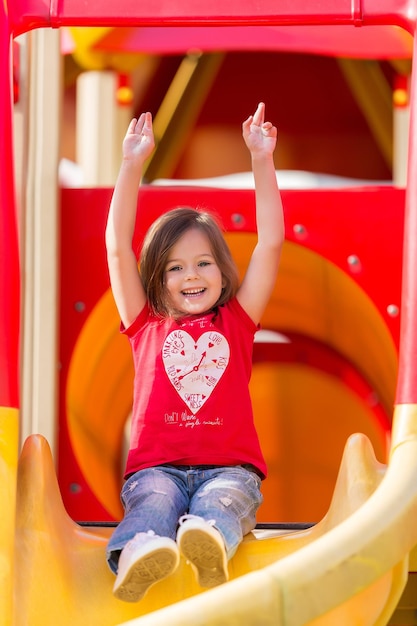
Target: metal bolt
[(79, 306), (300, 231), (238, 219), (354, 263), (393, 310)]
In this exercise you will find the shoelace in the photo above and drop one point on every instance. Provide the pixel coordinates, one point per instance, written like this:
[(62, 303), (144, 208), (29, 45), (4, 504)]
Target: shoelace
[(188, 516)]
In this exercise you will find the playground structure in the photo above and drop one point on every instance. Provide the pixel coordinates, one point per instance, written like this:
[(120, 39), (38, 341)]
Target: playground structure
[(353, 566)]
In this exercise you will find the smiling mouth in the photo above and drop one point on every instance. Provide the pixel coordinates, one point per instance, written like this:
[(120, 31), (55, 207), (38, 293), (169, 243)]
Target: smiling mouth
[(193, 292)]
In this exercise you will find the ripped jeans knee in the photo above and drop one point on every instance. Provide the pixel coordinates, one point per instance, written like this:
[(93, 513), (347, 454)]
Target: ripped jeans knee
[(232, 498), (151, 501)]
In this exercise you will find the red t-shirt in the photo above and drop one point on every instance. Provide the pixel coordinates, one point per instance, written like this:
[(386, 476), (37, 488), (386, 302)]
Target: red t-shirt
[(191, 398)]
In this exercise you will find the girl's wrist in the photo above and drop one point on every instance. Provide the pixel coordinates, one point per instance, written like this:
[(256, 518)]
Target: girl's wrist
[(132, 163), (262, 157)]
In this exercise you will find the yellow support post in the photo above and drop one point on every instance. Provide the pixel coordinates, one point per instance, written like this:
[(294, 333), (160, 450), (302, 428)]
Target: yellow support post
[(9, 421)]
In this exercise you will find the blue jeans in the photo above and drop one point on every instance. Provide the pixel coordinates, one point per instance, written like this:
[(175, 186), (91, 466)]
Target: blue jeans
[(155, 498)]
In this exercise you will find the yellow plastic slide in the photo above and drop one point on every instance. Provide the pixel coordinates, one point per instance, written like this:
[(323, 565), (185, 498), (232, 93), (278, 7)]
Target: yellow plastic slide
[(349, 569)]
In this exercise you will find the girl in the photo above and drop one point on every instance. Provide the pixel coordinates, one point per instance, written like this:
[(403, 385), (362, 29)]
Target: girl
[(194, 467)]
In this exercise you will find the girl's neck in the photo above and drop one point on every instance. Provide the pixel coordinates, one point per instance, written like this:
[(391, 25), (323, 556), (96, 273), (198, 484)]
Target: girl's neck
[(180, 318)]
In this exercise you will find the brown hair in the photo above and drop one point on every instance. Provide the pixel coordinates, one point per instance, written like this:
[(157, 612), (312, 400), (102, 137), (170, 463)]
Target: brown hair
[(160, 238)]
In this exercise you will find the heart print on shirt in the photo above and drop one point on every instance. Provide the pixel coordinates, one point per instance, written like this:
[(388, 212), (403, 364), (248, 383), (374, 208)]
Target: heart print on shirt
[(195, 367)]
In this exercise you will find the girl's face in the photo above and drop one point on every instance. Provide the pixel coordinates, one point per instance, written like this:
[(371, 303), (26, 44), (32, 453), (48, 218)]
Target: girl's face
[(192, 277)]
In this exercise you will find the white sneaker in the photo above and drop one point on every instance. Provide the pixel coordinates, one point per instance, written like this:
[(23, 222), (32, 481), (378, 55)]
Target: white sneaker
[(145, 559), (203, 546)]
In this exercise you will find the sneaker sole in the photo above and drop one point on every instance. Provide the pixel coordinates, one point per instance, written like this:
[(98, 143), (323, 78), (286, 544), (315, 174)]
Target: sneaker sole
[(205, 555), (150, 569)]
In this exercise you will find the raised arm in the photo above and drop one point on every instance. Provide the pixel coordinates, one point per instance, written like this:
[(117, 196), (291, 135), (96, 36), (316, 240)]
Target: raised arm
[(258, 283), (125, 280)]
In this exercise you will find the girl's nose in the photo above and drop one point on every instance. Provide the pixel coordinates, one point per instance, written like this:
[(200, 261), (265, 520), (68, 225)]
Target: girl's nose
[(192, 272)]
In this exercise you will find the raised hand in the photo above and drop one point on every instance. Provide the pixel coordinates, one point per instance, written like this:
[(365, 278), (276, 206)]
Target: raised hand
[(139, 141), (260, 136)]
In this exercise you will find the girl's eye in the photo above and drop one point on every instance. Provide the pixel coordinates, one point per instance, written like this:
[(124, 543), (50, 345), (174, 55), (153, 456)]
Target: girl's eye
[(203, 263), (174, 268)]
